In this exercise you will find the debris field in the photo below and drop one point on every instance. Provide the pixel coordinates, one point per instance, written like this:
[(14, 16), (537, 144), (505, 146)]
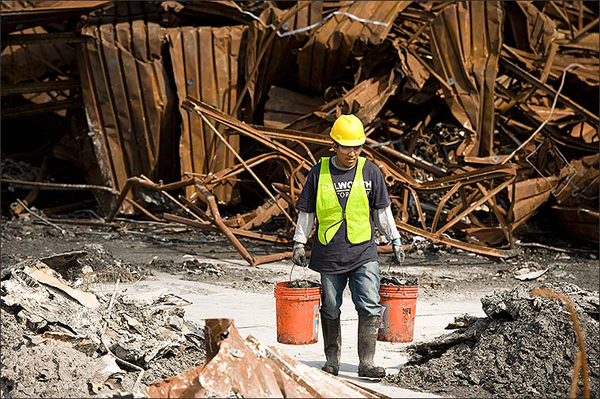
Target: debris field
[(175, 132), (526, 346)]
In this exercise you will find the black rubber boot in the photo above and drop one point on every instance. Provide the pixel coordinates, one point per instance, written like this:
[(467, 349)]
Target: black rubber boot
[(332, 337), (367, 340)]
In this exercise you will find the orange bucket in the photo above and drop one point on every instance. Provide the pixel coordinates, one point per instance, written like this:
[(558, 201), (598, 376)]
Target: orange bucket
[(398, 303), (297, 312)]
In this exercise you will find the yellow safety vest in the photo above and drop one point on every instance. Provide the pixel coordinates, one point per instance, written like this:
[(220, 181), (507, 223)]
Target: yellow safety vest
[(330, 213)]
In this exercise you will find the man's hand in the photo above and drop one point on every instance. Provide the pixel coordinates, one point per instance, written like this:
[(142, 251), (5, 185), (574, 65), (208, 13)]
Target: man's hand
[(299, 255), (398, 251)]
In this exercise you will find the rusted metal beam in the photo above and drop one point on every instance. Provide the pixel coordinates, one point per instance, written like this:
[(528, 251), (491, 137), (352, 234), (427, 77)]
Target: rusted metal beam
[(24, 88), (43, 38), (37, 109), (585, 29), (143, 210), (147, 184), (593, 119), (212, 203), (60, 185), (472, 207), (412, 160), (239, 158), (488, 251), (260, 136)]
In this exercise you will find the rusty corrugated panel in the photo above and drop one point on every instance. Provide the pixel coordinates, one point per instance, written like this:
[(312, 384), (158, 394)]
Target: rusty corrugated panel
[(18, 15), (466, 39), (206, 66), (579, 184), (365, 100), (323, 59), (530, 195), (128, 101), (307, 15), (276, 53), (532, 29), (578, 222), (246, 368)]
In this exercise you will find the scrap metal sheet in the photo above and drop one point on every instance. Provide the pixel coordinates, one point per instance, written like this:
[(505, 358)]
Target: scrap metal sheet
[(246, 368), (276, 54), (205, 63), (17, 15), (530, 195), (128, 101), (581, 222), (532, 29), (365, 100), (579, 182), (466, 39), (323, 59)]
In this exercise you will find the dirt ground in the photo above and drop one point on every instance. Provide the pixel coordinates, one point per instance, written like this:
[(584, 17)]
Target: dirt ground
[(138, 249), (143, 247)]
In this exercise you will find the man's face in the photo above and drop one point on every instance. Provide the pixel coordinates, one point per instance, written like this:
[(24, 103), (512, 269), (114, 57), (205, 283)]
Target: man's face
[(347, 156)]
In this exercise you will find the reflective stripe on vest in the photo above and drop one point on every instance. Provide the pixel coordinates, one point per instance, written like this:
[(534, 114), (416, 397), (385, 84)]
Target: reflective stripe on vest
[(330, 213)]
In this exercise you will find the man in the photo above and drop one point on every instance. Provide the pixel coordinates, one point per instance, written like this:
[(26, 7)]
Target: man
[(348, 195)]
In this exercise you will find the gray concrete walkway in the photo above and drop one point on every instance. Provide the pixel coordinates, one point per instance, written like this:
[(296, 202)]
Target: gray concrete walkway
[(254, 314)]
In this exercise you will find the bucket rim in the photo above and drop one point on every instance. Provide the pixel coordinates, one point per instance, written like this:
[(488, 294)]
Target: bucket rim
[(394, 285), (282, 291)]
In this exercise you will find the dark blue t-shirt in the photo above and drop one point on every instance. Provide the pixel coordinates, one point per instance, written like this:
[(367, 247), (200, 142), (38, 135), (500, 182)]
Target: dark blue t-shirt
[(340, 256)]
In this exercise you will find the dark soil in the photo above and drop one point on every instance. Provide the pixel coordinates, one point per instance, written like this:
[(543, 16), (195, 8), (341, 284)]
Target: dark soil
[(399, 281), (526, 347), (303, 284), (140, 248)]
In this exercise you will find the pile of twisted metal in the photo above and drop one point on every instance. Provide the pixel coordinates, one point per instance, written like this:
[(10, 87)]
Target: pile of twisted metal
[(477, 113)]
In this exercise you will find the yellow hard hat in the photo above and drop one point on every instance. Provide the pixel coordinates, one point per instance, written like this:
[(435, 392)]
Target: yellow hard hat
[(348, 131)]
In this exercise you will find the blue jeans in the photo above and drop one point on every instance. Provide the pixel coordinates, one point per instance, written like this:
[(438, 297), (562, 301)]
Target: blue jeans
[(364, 286)]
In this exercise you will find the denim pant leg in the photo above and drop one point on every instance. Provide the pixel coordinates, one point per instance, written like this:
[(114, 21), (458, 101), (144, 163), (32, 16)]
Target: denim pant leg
[(332, 288), (364, 285)]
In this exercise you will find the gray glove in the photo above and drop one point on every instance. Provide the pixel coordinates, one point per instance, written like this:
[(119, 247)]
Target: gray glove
[(398, 251), (299, 255)]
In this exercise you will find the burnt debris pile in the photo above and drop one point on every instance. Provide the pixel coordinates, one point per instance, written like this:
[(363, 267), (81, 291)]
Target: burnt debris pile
[(64, 341), (211, 114), (527, 346)]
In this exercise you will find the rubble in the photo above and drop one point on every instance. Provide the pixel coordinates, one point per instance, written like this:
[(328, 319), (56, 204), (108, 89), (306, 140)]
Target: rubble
[(71, 343), (526, 346), (247, 368), (303, 284)]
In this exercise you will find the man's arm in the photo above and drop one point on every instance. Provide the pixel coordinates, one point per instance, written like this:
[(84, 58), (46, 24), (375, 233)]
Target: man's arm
[(384, 220), (304, 226)]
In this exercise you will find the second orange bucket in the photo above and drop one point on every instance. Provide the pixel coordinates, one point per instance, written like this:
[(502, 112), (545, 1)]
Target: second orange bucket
[(399, 303), (297, 312)]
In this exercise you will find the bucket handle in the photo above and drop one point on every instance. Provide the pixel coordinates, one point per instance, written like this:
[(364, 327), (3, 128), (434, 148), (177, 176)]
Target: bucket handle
[(304, 264), (403, 272)]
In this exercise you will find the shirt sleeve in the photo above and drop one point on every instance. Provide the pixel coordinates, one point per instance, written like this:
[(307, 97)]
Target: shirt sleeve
[(304, 226), (307, 201), (384, 220), (380, 198)]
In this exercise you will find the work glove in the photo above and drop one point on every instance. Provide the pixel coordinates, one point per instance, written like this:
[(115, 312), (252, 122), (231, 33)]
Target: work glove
[(398, 251), (299, 255)]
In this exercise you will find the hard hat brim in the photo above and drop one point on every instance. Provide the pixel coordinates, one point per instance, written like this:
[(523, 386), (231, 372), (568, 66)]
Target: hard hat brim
[(350, 143)]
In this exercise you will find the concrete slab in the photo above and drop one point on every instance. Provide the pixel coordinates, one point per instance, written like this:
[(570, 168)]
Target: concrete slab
[(254, 314)]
